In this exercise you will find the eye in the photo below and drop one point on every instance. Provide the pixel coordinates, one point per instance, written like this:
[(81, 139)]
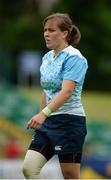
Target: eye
[(49, 30)]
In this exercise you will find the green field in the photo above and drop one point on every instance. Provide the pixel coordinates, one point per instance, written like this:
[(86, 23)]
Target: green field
[(97, 105)]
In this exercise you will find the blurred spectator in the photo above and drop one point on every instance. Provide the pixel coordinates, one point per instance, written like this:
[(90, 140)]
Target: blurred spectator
[(12, 149), (28, 68)]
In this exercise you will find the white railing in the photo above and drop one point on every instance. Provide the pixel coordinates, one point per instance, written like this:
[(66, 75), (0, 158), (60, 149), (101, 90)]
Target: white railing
[(12, 169)]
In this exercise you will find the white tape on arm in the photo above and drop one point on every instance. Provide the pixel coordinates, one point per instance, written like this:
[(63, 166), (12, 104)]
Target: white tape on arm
[(47, 111)]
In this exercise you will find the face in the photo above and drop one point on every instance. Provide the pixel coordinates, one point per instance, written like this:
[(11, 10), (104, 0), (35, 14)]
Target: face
[(54, 37)]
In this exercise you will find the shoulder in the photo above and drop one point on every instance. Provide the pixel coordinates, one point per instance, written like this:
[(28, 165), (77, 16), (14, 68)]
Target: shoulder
[(72, 51), (74, 55)]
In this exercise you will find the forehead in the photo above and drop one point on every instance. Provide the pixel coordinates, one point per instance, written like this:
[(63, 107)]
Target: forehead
[(51, 23)]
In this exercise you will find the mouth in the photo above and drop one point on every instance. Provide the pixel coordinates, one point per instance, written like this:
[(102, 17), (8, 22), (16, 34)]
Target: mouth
[(48, 43), (47, 40)]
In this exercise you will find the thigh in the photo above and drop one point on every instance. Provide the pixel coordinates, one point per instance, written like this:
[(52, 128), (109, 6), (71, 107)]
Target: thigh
[(70, 165), (70, 157), (71, 137), (41, 144)]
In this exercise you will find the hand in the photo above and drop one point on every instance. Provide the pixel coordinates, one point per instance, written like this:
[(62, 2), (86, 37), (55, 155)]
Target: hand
[(36, 121)]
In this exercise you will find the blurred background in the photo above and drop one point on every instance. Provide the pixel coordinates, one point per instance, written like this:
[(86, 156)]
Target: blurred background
[(21, 49)]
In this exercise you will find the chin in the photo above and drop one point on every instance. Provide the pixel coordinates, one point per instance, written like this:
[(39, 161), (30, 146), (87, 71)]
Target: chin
[(49, 47)]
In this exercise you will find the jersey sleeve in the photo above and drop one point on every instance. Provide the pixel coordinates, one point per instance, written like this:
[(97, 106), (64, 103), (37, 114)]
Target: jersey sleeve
[(75, 68)]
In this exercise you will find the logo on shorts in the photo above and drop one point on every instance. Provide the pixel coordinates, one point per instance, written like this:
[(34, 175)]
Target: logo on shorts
[(58, 148)]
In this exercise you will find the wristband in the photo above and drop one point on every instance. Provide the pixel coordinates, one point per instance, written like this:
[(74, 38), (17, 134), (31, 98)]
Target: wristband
[(47, 111)]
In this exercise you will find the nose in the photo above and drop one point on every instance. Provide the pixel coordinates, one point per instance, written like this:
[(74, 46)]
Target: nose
[(46, 34)]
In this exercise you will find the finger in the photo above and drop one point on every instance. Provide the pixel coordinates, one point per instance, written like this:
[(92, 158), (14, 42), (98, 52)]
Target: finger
[(30, 124), (34, 124), (38, 126)]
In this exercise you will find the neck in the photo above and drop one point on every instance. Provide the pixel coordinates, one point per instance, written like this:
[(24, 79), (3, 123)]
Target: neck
[(57, 50)]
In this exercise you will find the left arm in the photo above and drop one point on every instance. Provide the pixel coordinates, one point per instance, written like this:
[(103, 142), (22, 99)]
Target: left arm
[(62, 96)]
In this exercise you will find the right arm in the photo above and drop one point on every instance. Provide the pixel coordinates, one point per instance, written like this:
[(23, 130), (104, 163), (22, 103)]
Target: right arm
[(43, 102)]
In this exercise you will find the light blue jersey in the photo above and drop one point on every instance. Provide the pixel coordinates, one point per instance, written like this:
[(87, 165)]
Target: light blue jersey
[(69, 64)]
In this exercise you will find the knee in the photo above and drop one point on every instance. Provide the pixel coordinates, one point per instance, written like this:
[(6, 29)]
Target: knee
[(32, 164), (31, 171), (26, 170)]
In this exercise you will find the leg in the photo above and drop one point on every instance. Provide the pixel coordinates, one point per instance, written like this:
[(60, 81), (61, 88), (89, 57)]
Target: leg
[(70, 165), (39, 152), (32, 164), (70, 170)]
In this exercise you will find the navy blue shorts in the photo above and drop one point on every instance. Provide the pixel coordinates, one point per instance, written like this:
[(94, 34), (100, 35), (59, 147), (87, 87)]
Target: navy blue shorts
[(61, 134)]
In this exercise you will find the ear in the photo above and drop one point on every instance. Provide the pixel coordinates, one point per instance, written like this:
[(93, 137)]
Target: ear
[(65, 33)]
